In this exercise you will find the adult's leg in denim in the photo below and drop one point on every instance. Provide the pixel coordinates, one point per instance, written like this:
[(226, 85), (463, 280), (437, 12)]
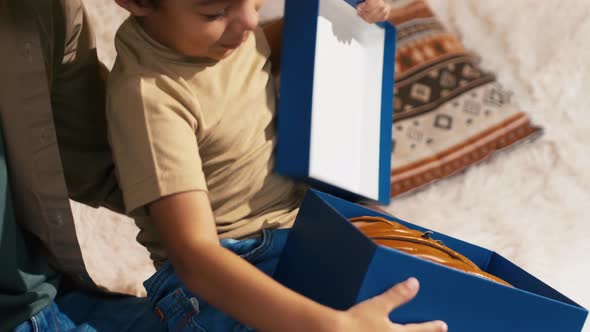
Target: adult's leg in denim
[(185, 311), (25, 326), (50, 319), (103, 312)]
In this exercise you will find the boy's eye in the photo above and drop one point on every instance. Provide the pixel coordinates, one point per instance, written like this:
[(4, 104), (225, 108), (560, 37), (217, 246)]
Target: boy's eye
[(215, 16)]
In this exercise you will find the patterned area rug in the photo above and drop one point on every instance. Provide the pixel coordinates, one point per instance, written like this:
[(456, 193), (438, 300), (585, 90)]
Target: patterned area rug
[(449, 113)]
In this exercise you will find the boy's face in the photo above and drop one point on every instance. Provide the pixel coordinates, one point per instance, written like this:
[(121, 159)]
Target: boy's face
[(202, 28)]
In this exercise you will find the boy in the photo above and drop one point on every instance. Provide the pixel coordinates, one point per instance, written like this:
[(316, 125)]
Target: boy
[(191, 109)]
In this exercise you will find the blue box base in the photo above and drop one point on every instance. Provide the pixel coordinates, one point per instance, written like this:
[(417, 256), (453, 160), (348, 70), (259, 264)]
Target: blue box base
[(327, 259)]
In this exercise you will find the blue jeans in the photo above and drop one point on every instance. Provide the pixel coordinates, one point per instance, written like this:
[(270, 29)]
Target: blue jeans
[(183, 311), (83, 312)]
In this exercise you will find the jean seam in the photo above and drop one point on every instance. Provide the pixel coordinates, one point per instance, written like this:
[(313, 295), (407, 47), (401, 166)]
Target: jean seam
[(196, 325), (34, 324), (194, 314), (174, 309), (266, 242), (55, 322), (177, 305), (154, 282), (181, 301), (158, 280), (188, 318), (154, 288)]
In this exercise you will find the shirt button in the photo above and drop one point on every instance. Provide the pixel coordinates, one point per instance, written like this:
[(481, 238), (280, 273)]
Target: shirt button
[(56, 220), (27, 53), (47, 136)]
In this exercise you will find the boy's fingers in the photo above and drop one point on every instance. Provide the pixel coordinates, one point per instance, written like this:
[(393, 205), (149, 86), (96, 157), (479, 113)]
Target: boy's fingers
[(369, 17), (373, 14), (397, 295), (380, 15), (434, 326), (368, 6)]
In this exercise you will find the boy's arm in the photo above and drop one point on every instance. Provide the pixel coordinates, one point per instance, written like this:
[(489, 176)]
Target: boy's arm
[(274, 35), (186, 226), (229, 283)]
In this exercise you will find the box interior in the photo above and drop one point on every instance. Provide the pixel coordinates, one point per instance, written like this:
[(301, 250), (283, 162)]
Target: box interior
[(346, 105)]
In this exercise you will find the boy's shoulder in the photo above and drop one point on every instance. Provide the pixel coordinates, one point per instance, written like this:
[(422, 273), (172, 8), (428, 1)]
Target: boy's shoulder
[(145, 87), (125, 80), (143, 70)]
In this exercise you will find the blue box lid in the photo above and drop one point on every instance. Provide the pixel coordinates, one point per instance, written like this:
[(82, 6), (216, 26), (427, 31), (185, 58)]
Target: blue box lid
[(335, 106)]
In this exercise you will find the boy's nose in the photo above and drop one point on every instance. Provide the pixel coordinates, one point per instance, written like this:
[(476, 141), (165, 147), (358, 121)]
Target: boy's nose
[(248, 18)]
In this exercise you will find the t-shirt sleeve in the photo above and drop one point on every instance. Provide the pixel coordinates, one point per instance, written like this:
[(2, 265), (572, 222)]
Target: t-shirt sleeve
[(153, 137)]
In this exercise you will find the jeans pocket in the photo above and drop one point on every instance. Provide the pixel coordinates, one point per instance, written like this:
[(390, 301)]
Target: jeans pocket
[(251, 250), (180, 312)]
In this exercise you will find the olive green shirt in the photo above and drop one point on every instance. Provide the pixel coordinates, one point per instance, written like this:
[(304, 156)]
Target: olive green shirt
[(54, 129), (27, 283)]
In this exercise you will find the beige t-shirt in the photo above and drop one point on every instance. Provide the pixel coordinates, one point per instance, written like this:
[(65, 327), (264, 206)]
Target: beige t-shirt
[(179, 124)]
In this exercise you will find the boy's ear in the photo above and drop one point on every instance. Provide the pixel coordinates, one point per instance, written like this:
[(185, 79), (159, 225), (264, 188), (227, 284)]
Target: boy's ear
[(135, 7)]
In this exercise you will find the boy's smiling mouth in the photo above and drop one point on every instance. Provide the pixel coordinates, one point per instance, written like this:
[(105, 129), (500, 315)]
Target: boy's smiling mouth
[(234, 45), (231, 46)]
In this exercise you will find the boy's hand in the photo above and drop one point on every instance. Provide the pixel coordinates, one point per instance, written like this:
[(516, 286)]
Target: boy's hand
[(373, 314), (374, 11)]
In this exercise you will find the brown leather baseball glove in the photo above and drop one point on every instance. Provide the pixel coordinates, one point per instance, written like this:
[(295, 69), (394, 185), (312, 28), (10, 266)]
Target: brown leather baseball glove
[(413, 242)]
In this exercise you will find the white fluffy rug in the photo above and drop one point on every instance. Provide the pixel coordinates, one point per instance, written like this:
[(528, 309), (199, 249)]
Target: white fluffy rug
[(528, 204)]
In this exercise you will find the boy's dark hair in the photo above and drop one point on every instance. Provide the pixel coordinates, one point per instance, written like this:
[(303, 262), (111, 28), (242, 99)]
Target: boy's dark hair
[(149, 3)]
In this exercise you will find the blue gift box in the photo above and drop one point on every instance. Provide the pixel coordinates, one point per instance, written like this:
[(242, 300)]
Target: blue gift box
[(335, 107), (334, 132), (327, 259)]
